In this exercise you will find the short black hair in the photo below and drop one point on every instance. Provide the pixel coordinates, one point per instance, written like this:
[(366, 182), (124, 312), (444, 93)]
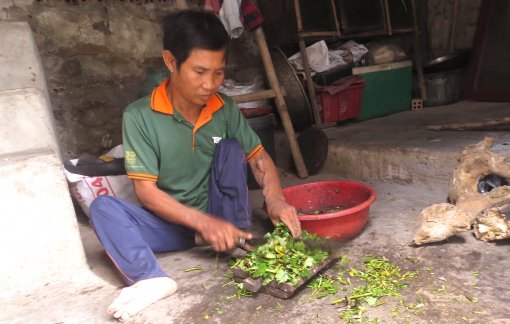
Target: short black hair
[(183, 31)]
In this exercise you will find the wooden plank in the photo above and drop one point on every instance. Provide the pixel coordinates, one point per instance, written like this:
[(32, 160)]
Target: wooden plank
[(317, 34), (309, 82), (280, 104), (259, 95)]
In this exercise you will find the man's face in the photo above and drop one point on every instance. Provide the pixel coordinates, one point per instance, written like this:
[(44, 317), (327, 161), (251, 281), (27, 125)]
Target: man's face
[(200, 75)]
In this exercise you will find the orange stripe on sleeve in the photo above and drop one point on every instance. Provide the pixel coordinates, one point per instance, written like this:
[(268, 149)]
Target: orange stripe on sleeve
[(256, 152), (140, 178), (143, 175)]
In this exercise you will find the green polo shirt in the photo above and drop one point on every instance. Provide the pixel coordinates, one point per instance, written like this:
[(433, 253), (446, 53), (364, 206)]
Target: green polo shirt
[(160, 145)]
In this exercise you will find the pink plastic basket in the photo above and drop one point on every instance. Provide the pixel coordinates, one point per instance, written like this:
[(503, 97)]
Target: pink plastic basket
[(342, 105)]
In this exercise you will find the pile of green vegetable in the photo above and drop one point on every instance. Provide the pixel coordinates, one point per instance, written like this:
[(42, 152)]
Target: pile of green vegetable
[(281, 258)]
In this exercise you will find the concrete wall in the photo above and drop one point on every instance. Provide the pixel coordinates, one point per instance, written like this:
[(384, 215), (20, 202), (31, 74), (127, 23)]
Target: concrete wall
[(39, 237), (95, 55)]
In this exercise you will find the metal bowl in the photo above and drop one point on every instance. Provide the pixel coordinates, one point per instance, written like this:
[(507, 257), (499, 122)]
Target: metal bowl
[(297, 102), (454, 61)]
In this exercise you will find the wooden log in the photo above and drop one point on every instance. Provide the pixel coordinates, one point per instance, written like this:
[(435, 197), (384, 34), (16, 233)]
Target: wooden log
[(280, 104), (491, 224), (309, 82), (487, 123), (260, 95), (417, 52)]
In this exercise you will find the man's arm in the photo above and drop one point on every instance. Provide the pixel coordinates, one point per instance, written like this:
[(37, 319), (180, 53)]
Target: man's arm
[(218, 233), (266, 175)]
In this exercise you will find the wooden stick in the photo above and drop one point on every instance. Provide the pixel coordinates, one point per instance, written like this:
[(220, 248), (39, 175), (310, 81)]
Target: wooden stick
[(319, 33), (454, 24), (361, 34), (182, 5), (280, 104), (298, 15), (336, 18), (487, 123), (259, 95), (309, 82), (388, 19), (419, 65), (343, 17)]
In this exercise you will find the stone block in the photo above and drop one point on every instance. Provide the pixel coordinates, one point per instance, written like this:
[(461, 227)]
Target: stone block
[(39, 234), (24, 121), (19, 58)]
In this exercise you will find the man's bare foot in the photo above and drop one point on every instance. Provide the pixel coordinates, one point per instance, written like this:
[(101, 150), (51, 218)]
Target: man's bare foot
[(140, 295)]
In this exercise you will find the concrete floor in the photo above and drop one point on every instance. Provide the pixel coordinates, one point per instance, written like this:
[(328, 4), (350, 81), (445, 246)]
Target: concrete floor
[(389, 229)]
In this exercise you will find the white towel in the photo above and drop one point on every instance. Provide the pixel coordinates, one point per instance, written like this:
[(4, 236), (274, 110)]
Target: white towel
[(229, 16)]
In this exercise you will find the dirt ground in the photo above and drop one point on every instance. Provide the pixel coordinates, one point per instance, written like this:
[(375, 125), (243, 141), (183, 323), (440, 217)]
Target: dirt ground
[(388, 231)]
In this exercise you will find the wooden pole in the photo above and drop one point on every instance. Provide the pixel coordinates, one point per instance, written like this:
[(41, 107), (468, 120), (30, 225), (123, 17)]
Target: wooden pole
[(280, 104), (419, 64), (298, 15), (454, 25), (388, 18), (309, 82), (337, 24)]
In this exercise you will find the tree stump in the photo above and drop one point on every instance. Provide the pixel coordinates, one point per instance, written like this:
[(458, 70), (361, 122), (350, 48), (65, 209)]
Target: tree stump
[(440, 222), (467, 205), (491, 224)]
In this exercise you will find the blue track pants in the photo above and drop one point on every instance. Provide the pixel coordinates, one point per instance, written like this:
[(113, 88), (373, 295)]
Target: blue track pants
[(130, 233)]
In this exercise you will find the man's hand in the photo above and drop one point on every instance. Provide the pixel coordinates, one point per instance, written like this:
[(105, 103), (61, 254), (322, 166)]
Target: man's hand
[(221, 235), (280, 211)]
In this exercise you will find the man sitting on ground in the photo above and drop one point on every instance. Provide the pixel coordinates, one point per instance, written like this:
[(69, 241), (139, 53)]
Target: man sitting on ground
[(186, 148)]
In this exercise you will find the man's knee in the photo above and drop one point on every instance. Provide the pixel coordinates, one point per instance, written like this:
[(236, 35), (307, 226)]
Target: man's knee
[(101, 206)]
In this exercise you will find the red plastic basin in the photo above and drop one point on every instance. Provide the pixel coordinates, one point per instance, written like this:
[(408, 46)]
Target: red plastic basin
[(353, 198)]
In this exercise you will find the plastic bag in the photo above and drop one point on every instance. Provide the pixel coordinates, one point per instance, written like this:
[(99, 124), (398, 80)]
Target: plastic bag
[(85, 189), (232, 88), (384, 53), (351, 51), (323, 59)]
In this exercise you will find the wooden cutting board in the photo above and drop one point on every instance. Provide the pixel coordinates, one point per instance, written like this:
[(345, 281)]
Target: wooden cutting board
[(280, 290)]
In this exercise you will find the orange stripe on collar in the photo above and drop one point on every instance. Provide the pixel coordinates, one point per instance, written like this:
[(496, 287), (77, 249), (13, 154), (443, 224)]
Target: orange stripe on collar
[(160, 102)]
